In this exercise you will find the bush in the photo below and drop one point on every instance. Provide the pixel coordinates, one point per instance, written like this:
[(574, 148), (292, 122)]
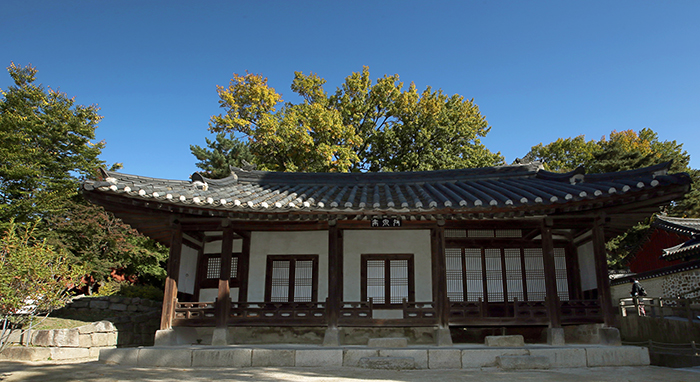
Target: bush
[(148, 292)]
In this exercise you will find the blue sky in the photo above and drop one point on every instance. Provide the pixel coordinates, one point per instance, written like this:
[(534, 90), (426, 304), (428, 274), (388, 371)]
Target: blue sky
[(538, 70)]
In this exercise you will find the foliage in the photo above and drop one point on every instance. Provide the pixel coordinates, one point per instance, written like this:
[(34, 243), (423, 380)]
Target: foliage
[(220, 154), (620, 247), (101, 243), (46, 150), (361, 127), (624, 150), (148, 292), (34, 278), (46, 146)]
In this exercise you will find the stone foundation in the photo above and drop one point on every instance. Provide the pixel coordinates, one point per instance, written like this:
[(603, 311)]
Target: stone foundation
[(60, 344), (135, 319), (478, 356)]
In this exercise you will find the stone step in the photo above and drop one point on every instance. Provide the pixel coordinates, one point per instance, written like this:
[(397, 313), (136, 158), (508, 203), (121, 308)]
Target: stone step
[(522, 362), (387, 363), (388, 342), (505, 341)]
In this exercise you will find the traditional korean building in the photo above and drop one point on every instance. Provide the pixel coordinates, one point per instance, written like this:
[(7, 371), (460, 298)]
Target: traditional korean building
[(508, 246), (667, 262)]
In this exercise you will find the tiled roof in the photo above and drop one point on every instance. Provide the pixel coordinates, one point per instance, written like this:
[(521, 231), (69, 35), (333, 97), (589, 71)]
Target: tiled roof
[(682, 226), (672, 269), (465, 190), (689, 249)]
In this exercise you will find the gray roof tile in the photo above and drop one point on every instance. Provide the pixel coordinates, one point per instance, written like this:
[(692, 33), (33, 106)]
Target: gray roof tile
[(517, 186)]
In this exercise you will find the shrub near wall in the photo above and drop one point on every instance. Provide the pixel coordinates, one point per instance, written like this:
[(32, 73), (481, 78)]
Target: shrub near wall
[(135, 319)]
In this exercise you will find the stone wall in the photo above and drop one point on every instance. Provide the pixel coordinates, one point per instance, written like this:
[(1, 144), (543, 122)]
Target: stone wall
[(682, 284), (97, 334), (669, 286), (136, 320)]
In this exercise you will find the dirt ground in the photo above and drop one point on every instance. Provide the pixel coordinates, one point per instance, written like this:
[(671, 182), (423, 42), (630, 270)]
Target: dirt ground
[(93, 371)]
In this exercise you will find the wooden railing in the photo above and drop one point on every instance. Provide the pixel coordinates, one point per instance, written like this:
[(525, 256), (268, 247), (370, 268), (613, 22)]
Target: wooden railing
[(522, 312), (466, 310), (419, 311), (530, 311), (361, 313), (278, 313), (194, 313), (661, 307), (353, 313)]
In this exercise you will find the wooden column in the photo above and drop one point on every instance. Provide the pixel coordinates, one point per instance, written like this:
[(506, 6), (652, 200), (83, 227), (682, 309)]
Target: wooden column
[(601, 271), (335, 276), (550, 275), (439, 276), (223, 299), (170, 294), (244, 267), (573, 272)]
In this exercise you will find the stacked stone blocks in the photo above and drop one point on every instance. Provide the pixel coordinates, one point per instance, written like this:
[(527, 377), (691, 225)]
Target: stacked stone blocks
[(531, 357), (135, 319)]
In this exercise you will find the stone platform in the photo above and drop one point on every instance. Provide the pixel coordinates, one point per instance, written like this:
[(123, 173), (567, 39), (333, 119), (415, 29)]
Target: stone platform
[(411, 357)]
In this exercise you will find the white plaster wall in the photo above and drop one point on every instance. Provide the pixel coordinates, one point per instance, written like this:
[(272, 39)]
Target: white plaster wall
[(264, 243), (668, 286), (356, 243), (586, 264), (188, 270)]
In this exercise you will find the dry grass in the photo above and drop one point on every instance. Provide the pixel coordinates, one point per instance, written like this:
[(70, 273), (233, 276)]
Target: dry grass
[(58, 323)]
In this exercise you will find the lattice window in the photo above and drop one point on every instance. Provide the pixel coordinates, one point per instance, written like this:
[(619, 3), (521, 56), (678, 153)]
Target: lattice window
[(509, 233), (514, 274), (480, 233), (291, 278), (494, 275), (455, 274), (398, 281), (561, 274), (376, 281), (455, 233), (474, 274), (387, 279), (210, 270), (280, 281), (214, 267), (534, 274), (506, 274)]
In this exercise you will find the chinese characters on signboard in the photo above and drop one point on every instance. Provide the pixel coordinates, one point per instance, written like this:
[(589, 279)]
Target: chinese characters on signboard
[(385, 222)]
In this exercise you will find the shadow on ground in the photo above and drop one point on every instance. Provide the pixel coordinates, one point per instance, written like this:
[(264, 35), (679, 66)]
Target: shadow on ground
[(98, 372)]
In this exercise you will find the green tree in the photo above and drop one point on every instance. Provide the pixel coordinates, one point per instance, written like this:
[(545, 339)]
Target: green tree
[(46, 147), (101, 244), (624, 150), (34, 278), (564, 154), (46, 150), (363, 126), (220, 154)]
